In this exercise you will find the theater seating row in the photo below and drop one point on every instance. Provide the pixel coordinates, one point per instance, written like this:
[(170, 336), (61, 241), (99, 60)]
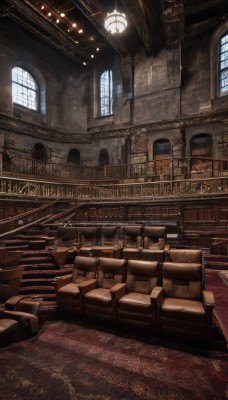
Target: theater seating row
[(128, 242), (162, 300)]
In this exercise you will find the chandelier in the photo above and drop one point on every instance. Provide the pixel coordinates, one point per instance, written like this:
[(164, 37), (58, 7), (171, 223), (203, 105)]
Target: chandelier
[(115, 22)]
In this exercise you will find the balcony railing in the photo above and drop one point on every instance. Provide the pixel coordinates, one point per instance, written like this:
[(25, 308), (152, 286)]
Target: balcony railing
[(167, 168), (111, 192)]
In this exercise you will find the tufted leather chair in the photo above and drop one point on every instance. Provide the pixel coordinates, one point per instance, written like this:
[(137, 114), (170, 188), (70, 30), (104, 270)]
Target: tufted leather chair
[(135, 302), (108, 245), (97, 294), (154, 243), (88, 238), (184, 308), (184, 255), (66, 287), (132, 242), (10, 280)]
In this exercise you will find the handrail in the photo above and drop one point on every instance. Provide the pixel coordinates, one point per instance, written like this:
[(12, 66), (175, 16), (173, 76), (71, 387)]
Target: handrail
[(149, 170), (27, 219), (28, 188)]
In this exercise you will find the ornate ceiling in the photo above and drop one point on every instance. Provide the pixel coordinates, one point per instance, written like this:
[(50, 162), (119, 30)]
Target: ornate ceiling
[(152, 24)]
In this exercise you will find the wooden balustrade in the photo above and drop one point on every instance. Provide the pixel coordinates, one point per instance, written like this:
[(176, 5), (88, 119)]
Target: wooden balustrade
[(150, 171), (87, 192)]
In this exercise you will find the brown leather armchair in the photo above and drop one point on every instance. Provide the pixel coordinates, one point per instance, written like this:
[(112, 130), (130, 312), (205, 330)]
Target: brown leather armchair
[(109, 243), (184, 255), (154, 243), (67, 236), (66, 287), (184, 308), (97, 293), (135, 303), (88, 237), (132, 242), (10, 280)]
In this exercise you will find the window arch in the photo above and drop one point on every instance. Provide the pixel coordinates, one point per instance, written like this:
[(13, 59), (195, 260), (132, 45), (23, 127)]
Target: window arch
[(162, 153), (25, 90), (73, 157), (40, 152), (223, 64), (103, 157), (201, 152), (106, 93)]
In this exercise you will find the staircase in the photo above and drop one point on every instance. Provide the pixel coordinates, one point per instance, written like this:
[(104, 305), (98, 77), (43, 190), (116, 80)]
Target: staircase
[(215, 262), (39, 267)]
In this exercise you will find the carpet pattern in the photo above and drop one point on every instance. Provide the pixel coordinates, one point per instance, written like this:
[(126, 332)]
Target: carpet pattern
[(68, 361), (216, 283)]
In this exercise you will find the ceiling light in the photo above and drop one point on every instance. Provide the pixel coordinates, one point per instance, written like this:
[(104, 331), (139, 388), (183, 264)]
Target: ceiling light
[(80, 31), (57, 21), (97, 49), (62, 15), (92, 56), (84, 63), (49, 14), (74, 25), (115, 22)]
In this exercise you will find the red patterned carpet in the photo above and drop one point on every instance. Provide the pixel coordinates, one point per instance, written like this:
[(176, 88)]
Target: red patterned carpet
[(68, 361), (217, 285)]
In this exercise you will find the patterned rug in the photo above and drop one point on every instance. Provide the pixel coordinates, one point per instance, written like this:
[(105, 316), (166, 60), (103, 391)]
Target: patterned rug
[(68, 361)]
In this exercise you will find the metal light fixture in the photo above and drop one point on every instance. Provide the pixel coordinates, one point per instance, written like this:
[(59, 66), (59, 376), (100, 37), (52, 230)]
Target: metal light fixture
[(115, 22)]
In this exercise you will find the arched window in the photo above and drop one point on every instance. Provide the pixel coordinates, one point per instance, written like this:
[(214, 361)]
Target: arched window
[(162, 151), (223, 64), (25, 90), (73, 157), (201, 148), (39, 152), (106, 95), (103, 157)]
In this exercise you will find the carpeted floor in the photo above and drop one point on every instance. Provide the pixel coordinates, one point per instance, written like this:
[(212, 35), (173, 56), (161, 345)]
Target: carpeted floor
[(216, 282), (68, 361)]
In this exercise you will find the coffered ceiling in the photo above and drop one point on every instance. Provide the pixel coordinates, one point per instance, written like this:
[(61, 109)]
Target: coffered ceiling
[(76, 27)]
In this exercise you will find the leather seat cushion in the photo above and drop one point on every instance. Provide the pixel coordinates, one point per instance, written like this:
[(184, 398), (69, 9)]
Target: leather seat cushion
[(137, 302), (182, 306), (7, 325), (68, 291), (99, 296)]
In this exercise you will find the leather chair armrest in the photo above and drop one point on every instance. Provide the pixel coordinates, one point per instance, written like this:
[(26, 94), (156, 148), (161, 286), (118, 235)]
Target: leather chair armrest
[(117, 291), (22, 317), (88, 285), (58, 282), (208, 298), (157, 296)]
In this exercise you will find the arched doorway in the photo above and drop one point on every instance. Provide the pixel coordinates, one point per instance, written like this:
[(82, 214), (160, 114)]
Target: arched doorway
[(103, 157), (73, 157), (201, 152), (162, 153), (40, 152)]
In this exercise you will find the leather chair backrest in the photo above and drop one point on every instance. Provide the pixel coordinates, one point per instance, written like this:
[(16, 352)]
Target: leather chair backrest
[(10, 282), (154, 237), (182, 280), (184, 256), (67, 233), (132, 236), (84, 268), (88, 236), (110, 272), (109, 235), (142, 276)]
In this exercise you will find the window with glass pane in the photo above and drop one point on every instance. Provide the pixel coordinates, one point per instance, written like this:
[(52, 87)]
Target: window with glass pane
[(24, 89), (106, 93), (223, 64)]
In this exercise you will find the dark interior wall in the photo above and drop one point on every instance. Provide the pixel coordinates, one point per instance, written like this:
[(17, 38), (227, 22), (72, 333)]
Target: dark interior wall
[(54, 72)]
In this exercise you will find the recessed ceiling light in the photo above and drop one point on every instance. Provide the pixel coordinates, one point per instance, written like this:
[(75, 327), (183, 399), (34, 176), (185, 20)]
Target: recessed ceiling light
[(97, 49), (92, 56), (57, 21), (62, 15), (74, 25), (80, 31), (49, 14), (84, 63)]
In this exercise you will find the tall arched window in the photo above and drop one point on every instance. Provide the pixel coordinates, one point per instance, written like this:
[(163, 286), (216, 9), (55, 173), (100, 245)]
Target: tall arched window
[(103, 157), (106, 95), (162, 151), (25, 90), (73, 157), (201, 148), (223, 64)]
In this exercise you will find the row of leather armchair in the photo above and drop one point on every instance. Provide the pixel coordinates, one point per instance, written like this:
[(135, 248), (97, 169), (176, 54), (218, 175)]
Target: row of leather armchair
[(165, 300)]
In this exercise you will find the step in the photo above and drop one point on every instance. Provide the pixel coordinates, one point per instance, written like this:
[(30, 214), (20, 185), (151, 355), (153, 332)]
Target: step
[(38, 253), (36, 282), (45, 274), (37, 289), (36, 260)]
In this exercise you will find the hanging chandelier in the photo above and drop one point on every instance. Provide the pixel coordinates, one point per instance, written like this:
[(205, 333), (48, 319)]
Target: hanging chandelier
[(115, 22)]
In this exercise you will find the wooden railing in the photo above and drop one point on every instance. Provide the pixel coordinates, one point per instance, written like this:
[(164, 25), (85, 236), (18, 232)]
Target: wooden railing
[(89, 192), (19, 222), (174, 168)]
